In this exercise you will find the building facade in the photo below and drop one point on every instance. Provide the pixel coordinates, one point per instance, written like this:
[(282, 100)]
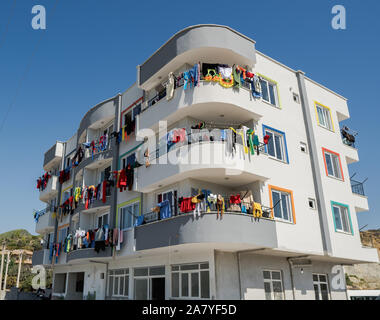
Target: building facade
[(220, 174)]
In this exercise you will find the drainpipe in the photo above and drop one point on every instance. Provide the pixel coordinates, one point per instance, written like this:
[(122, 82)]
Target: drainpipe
[(289, 259), (106, 275), (238, 263), (313, 151)]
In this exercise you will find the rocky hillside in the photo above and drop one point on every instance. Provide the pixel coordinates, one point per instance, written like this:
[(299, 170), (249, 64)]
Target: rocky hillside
[(365, 276), (20, 239)]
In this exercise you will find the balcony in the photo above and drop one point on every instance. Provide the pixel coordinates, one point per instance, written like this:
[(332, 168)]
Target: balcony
[(232, 231), (41, 257), (361, 200), (206, 102), (88, 253), (51, 189), (45, 222), (53, 156), (205, 161)]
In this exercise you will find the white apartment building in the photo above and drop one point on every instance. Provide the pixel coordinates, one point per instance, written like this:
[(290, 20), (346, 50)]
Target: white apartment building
[(297, 175)]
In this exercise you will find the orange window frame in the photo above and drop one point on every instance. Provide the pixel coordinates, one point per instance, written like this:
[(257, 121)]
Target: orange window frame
[(291, 199), (324, 150), (128, 108)]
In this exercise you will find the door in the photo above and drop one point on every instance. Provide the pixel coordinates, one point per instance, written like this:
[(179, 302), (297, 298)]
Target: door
[(141, 289), (158, 288)]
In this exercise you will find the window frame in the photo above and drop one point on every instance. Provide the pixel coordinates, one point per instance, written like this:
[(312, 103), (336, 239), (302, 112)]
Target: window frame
[(276, 91), (113, 277), (325, 111), (148, 277), (271, 280), (348, 217), (130, 109), (290, 202), (189, 279), (284, 147), (102, 217), (332, 153), (133, 218), (318, 283)]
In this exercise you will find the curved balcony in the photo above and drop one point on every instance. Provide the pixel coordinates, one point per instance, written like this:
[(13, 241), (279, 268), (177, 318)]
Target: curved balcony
[(45, 223), (95, 161), (212, 42), (232, 230), (98, 115), (51, 189), (205, 161), (207, 102)]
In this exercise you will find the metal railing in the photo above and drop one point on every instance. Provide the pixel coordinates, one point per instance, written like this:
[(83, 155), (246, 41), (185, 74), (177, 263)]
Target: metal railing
[(357, 187)]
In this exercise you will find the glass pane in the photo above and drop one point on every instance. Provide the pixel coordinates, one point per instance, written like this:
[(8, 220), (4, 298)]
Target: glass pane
[(315, 277), (205, 284), (270, 145), (277, 290), (329, 164), (175, 284), (141, 272), (276, 275), (316, 292), (190, 267), (116, 286), (338, 223), (126, 286), (157, 271), (121, 289), (324, 292), (204, 265), (285, 206), (321, 116), (345, 222), (266, 275), (141, 289), (272, 94), (267, 290), (185, 284), (336, 166), (195, 284), (264, 90), (322, 278), (327, 118), (175, 268), (110, 291), (277, 208), (278, 140)]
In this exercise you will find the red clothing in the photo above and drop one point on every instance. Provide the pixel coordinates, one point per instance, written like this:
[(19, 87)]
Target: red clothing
[(187, 205), (122, 180), (235, 199), (266, 139)]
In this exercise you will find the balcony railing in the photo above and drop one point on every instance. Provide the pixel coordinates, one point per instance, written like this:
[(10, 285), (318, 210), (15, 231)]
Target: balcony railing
[(357, 187)]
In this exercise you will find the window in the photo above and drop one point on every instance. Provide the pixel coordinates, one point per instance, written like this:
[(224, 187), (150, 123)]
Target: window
[(342, 219), (118, 283), (269, 91), (276, 147), (191, 281), (303, 147), (321, 288), (149, 283), (332, 164), (170, 195), (282, 203), (273, 285), (129, 160), (324, 116), (312, 204), (62, 234), (128, 215), (103, 220), (105, 174)]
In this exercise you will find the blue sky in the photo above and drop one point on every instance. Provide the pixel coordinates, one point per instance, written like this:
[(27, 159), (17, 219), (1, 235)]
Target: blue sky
[(90, 50)]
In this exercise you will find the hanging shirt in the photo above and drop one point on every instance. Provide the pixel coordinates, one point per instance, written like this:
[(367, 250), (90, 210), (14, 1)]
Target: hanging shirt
[(165, 209)]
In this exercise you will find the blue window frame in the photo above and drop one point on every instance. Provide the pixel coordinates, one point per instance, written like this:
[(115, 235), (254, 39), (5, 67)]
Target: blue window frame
[(276, 147), (341, 217)]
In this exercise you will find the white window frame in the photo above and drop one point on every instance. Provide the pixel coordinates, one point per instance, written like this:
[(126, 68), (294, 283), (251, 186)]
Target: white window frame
[(275, 91), (334, 158), (118, 277), (270, 281), (318, 283), (149, 278), (130, 205), (102, 216), (289, 203), (346, 214), (189, 272), (326, 117), (282, 147)]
